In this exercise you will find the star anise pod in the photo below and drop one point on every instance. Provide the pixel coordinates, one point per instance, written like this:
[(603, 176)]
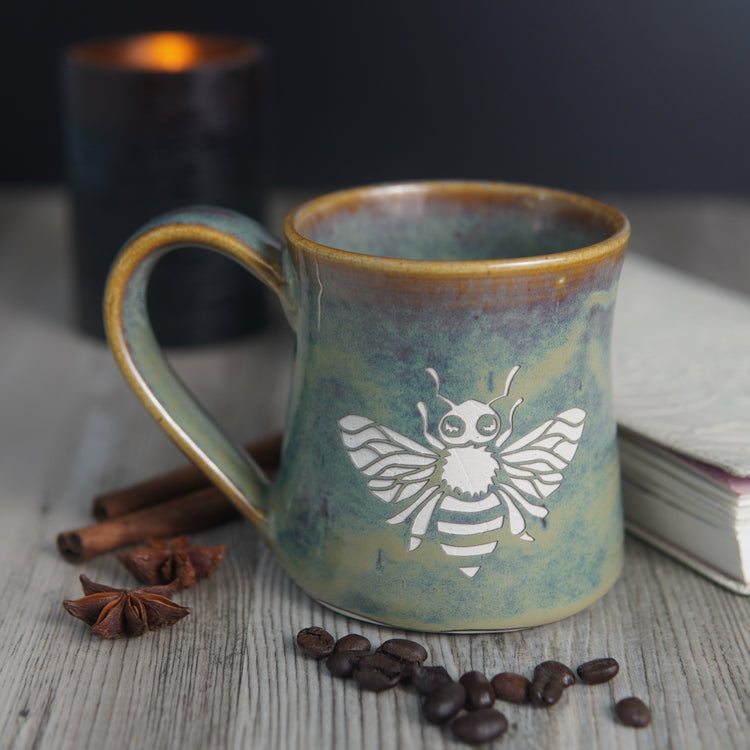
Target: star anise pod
[(178, 560), (113, 613)]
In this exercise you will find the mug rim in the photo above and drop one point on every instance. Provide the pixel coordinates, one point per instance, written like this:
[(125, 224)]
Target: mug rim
[(610, 247)]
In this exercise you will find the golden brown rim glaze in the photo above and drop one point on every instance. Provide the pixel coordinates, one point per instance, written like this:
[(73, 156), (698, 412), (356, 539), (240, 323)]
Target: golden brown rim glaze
[(506, 192)]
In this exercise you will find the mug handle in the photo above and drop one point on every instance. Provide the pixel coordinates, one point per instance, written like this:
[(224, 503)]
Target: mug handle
[(142, 361)]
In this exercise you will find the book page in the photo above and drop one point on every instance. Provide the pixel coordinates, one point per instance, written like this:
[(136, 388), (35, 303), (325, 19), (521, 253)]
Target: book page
[(681, 364)]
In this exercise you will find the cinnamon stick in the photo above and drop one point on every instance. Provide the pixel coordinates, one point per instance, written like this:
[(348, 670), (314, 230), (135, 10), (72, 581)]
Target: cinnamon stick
[(179, 502), (266, 453), (186, 514)]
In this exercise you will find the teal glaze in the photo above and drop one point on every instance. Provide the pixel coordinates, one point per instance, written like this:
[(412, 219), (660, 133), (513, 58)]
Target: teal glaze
[(194, 429), (372, 338)]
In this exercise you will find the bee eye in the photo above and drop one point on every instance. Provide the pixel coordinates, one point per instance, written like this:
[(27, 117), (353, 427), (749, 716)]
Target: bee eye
[(488, 424), (453, 426)]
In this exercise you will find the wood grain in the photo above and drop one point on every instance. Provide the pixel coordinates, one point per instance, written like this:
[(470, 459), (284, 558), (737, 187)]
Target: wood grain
[(229, 675)]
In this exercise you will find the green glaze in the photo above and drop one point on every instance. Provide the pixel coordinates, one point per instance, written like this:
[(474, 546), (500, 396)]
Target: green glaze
[(376, 335)]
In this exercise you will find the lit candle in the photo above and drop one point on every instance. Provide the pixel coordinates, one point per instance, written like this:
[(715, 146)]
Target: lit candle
[(155, 122), (168, 50)]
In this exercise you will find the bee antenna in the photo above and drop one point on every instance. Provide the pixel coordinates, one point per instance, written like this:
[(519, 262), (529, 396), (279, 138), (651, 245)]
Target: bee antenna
[(508, 381), (436, 378)]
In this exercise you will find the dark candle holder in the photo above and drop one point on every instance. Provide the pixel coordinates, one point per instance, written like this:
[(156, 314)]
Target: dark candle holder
[(153, 123)]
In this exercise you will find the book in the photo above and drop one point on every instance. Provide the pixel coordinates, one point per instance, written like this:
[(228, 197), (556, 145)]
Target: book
[(681, 385)]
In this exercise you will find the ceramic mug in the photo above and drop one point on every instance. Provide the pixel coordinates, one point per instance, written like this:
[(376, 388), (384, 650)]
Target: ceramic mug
[(449, 459)]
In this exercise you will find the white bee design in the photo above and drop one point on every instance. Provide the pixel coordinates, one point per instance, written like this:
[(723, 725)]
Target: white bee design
[(469, 475)]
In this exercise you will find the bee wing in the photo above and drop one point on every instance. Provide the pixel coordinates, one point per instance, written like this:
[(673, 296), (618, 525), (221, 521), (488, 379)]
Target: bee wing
[(535, 463), (395, 466)]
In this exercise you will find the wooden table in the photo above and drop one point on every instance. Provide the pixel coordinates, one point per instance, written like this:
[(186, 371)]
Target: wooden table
[(229, 675)]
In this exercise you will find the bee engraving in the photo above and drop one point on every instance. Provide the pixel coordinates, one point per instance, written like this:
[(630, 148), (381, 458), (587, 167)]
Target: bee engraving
[(469, 474)]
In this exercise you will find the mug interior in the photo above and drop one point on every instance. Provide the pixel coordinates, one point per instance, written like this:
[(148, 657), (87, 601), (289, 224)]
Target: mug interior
[(456, 221)]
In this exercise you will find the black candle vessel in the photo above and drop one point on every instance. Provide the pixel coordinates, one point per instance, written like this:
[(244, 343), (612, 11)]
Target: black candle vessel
[(153, 123)]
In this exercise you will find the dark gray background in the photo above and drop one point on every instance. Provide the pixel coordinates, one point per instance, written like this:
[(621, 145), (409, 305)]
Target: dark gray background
[(584, 94)]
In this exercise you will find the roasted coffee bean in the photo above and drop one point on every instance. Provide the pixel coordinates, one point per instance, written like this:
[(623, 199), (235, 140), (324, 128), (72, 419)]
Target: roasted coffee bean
[(408, 653), (479, 691), (352, 642), (428, 679), (377, 672), (511, 687), (341, 663), (598, 670), (558, 670), (479, 726), (545, 690), (633, 712), (315, 642), (443, 704)]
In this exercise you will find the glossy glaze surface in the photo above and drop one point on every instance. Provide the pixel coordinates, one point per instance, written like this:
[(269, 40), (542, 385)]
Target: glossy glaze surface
[(450, 460)]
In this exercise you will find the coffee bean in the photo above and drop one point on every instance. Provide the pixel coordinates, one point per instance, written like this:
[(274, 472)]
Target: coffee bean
[(633, 712), (408, 653), (511, 687), (428, 679), (558, 670), (550, 680), (315, 642), (479, 691), (377, 672), (341, 663), (352, 642), (444, 703), (480, 726), (598, 670), (545, 690), (400, 658)]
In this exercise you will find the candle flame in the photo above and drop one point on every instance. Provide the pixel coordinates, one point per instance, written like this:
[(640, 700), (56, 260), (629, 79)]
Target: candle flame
[(169, 51)]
